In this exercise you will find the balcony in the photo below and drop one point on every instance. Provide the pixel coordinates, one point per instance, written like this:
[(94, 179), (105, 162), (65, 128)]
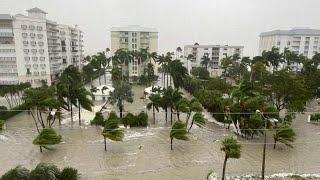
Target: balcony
[(6, 34), (74, 51)]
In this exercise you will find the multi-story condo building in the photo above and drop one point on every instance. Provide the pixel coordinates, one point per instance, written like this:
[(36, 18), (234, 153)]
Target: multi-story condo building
[(299, 40), (135, 38), (33, 48), (215, 52)]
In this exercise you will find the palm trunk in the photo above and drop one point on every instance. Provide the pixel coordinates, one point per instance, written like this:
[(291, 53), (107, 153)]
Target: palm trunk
[(154, 115), (71, 112), (105, 78), (275, 144), (120, 109), (79, 113), (166, 110), (167, 79), (187, 120), (105, 144), (40, 149), (178, 115), (171, 144), (224, 167), (190, 126), (171, 115)]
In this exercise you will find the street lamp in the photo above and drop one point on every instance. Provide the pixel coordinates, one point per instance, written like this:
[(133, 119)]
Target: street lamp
[(264, 144)]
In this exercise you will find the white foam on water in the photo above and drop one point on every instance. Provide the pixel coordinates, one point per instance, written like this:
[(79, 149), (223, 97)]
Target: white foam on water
[(3, 138)]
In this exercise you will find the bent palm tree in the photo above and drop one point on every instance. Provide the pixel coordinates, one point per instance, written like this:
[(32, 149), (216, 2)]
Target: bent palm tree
[(231, 149), (285, 135), (205, 61), (178, 131), (155, 103), (198, 119), (47, 136), (112, 131)]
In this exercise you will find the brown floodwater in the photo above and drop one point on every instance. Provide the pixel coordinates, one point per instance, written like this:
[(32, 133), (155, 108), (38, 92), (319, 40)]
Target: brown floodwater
[(145, 152)]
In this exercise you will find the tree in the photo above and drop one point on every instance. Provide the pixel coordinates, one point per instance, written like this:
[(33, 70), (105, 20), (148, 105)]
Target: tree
[(47, 136), (45, 171), (231, 149), (205, 61), (200, 72), (122, 92), (2, 122), (273, 57), (178, 131), (88, 73), (178, 52), (17, 173), (112, 131), (155, 103), (178, 73), (82, 96), (198, 119), (98, 120), (285, 135), (69, 173)]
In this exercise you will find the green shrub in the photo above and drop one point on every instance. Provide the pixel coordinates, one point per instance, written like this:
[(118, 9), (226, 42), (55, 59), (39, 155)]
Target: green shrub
[(69, 173), (142, 119), (1, 124), (18, 173), (315, 117), (45, 171), (8, 114), (98, 120), (128, 119)]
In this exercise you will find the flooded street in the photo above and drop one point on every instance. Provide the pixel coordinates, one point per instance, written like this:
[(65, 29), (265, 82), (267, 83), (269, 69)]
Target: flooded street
[(145, 152)]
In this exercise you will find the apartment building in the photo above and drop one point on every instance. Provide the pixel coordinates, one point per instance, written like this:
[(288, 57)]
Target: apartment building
[(303, 41), (35, 49), (215, 52), (135, 38)]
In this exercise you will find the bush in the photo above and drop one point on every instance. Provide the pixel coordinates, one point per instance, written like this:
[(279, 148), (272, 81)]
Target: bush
[(1, 124), (18, 173), (47, 136), (45, 171), (69, 173), (98, 120), (315, 117), (135, 121), (8, 114)]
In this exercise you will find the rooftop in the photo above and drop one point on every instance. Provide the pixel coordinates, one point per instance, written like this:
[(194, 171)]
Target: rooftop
[(212, 46), (294, 31), (36, 10), (134, 28), (5, 17)]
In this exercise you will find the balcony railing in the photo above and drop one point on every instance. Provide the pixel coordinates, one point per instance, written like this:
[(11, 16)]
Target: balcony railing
[(6, 34)]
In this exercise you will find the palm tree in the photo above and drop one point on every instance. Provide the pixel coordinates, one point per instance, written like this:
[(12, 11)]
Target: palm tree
[(190, 57), (47, 136), (182, 105), (198, 119), (178, 131), (194, 106), (172, 96), (205, 61), (155, 103), (285, 135), (82, 95), (122, 92), (178, 51), (178, 73), (161, 60), (165, 102), (112, 131), (231, 149), (88, 73)]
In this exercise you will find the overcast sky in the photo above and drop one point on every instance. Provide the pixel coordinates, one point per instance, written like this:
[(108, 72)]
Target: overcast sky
[(179, 22)]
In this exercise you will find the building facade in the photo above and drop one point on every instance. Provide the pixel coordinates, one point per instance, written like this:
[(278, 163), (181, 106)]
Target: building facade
[(135, 38), (34, 49), (303, 41), (215, 52)]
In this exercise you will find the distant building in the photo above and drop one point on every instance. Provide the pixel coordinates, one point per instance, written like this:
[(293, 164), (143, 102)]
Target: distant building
[(33, 48), (215, 52), (303, 41), (135, 38)]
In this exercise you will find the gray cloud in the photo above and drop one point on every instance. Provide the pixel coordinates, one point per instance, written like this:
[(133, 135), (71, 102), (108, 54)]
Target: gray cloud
[(236, 22)]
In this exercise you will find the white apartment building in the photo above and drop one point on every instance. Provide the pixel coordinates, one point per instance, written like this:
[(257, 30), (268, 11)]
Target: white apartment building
[(135, 38), (303, 41), (33, 48), (215, 52)]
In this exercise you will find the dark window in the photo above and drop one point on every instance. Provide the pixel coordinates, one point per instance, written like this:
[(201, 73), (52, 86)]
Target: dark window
[(64, 61)]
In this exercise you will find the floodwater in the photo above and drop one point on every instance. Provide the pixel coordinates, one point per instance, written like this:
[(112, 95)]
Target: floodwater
[(145, 152)]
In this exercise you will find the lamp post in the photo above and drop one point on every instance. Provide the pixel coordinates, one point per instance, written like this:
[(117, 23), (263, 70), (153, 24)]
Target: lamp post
[(264, 144)]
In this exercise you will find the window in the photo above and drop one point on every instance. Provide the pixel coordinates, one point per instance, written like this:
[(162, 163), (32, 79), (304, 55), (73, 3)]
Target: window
[(63, 43), (33, 43), (40, 43), (39, 28), (64, 61), (27, 58), (288, 43), (316, 38), (24, 27), (34, 51), (62, 32), (307, 38), (42, 58), (316, 42), (40, 36), (225, 49), (32, 35), (41, 51), (31, 27), (24, 35), (34, 58), (26, 51), (35, 66), (43, 73), (25, 43), (36, 73), (64, 49), (28, 66), (7, 50), (28, 71), (205, 48)]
